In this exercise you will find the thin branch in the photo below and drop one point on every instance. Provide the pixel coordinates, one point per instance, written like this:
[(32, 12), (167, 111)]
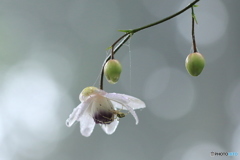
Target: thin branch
[(193, 32), (113, 45), (165, 19)]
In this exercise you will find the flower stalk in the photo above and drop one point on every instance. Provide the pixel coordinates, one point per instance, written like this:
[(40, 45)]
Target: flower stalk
[(193, 31)]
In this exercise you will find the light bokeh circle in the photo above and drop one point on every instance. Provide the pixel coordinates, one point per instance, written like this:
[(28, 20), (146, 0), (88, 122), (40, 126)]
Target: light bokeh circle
[(212, 23), (30, 101), (142, 65), (177, 99), (156, 83)]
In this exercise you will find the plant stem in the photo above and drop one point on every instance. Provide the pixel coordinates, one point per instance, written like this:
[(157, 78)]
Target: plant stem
[(113, 45), (193, 33), (129, 33)]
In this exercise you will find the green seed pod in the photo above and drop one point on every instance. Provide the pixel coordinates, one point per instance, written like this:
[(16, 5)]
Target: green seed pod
[(112, 71), (194, 63)]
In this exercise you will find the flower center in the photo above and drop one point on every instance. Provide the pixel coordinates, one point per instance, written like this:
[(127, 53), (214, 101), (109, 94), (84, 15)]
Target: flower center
[(103, 117), (102, 110)]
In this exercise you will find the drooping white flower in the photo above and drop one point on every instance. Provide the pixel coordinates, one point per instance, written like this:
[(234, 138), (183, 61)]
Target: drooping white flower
[(100, 107)]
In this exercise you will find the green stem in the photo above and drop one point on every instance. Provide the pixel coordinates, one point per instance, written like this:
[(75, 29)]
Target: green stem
[(165, 19), (117, 41), (193, 32)]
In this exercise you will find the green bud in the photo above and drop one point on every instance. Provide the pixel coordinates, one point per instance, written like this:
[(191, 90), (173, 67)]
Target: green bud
[(194, 63), (112, 71)]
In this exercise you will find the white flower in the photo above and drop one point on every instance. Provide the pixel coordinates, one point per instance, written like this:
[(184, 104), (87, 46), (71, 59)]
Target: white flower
[(102, 108)]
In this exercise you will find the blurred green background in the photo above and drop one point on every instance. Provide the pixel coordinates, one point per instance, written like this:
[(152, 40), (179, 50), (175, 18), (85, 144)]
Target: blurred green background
[(51, 49)]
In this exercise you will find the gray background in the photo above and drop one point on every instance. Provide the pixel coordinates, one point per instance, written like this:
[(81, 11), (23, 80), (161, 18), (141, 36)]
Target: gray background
[(51, 49)]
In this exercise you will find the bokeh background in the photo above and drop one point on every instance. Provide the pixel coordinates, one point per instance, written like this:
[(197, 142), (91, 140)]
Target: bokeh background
[(51, 49)]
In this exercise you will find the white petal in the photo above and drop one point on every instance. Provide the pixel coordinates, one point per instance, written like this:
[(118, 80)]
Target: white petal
[(132, 112), (126, 101), (133, 102), (78, 111), (117, 97), (86, 124), (117, 105), (126, 107), (101, 103), (73, 116), (101, 92), (110, 128)]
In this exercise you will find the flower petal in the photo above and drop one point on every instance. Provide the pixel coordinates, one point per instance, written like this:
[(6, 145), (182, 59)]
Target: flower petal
[(124, 106), (132, 112), (133, 102), (73, 116), (78, 111), (86, 124), (126, 101), (110, 128)]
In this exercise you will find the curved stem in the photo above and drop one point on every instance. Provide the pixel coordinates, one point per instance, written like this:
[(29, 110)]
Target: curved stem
[(113, 45), (129, 33), (193, 32)]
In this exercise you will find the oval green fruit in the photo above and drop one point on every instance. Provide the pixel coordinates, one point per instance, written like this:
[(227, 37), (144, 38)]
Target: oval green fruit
[(194, 63), (112, 71)]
